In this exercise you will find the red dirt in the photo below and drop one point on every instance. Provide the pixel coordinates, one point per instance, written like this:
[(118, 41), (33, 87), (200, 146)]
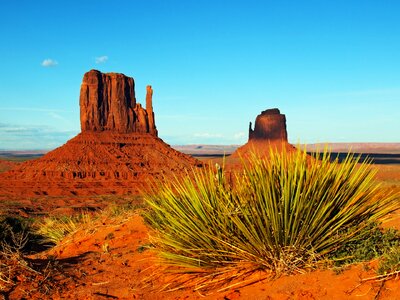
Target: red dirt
[(109, 259)]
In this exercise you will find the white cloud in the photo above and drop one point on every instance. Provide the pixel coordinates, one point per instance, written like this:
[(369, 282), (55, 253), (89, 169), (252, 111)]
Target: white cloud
[(48, 62), (30, 137), (33, 109), (101, 59), (208, 135), (56, 116), (239, 135), (182, 117)]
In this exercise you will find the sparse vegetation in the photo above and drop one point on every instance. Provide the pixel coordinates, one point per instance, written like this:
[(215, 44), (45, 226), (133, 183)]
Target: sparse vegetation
[(20, 237), (16, 241), (280, 214), (371, 242), (54, 229), (390, 262)]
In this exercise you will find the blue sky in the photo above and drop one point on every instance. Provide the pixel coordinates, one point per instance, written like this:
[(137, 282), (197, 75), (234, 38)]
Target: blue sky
[(333, 67)]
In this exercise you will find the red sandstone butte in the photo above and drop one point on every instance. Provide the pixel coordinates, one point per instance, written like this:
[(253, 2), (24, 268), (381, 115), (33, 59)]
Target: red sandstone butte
[(117, 152), (108, 102), (270, 125), (269, 132)]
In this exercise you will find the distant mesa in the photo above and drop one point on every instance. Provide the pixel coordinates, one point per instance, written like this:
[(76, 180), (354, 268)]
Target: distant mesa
[(269, 131), (117, 152)]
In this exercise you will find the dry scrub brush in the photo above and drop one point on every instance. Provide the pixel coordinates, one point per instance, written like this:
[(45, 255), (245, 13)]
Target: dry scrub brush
[(11, 258), (56, 229), (279, 214), (15, 268)]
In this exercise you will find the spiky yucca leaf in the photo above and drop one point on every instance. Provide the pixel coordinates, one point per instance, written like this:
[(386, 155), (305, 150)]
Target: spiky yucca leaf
[(278, 213)]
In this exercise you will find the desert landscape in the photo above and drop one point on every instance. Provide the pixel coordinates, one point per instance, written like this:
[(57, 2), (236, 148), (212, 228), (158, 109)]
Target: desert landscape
[(77, 221), (199, 150)]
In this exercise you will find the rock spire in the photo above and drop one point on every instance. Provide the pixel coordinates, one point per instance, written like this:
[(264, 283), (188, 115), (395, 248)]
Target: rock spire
[(107, 103)]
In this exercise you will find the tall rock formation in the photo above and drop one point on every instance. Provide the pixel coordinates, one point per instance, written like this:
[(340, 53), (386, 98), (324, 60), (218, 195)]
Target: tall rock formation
[(269, 131), (108, 103), (270, 125), (117, 152), (149, 109)]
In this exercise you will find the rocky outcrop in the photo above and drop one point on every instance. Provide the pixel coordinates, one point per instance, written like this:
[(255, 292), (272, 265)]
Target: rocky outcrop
[(107, 103), (117, 152), (269, 132), (270, 125)]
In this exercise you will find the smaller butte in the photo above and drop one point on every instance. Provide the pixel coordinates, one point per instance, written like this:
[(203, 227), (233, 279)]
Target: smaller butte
[(270, 126), (269, 132)]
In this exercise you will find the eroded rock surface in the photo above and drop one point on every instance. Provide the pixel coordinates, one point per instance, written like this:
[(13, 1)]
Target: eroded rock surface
[(270, 125), (269, 133), (107, 103)]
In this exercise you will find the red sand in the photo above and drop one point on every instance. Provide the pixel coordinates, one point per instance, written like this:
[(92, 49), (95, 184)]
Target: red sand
[(110, 261)]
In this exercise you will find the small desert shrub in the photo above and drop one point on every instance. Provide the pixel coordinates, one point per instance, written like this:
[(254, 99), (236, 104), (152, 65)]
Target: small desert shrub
[(19, 233), (14, 231), (371, 242), (54, 229), (11, 255), (390, 262), (17, 239), (280, 214)]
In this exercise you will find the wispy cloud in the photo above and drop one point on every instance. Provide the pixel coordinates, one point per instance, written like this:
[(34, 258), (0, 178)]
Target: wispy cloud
[(185, 117), (50, 110), (239, 135), (207, 135), (21, 137), (56, 116), (101, 59), (48, 62), (207, 138)]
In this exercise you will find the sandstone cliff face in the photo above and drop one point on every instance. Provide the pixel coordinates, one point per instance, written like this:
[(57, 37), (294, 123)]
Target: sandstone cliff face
[(270, 125), (107, 103)]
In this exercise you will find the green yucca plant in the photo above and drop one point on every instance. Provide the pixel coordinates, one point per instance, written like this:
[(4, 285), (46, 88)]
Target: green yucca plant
[(279, 213)]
